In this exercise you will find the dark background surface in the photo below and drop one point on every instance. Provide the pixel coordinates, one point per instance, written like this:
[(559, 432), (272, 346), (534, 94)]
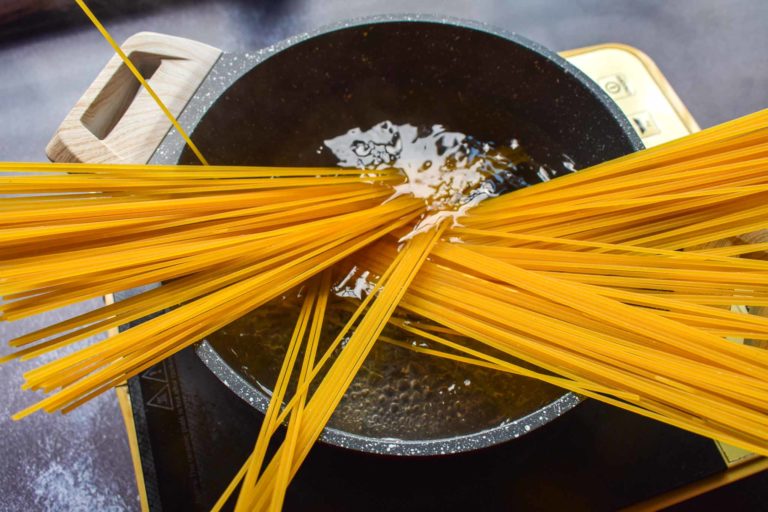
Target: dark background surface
[(711, 51)]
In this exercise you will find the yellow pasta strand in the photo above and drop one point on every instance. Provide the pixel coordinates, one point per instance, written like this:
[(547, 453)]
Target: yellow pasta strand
[(141, 79)]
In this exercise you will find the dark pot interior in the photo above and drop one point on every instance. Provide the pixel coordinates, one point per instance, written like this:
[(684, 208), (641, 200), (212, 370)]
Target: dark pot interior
[(469, 79), (410, 72)]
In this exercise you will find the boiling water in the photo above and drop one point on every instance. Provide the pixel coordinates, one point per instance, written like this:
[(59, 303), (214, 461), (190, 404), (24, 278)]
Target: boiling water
[(451, 171), (399, 393)]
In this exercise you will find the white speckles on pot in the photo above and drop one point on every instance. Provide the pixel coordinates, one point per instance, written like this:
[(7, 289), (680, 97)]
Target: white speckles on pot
[(504, 431)]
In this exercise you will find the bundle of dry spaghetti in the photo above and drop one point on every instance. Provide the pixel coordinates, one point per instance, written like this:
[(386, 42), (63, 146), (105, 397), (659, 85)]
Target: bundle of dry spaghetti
[(604, 279), (224, 241)]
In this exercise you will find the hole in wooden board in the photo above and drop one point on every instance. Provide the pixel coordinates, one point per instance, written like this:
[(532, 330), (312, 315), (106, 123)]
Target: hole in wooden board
[(114, 99)]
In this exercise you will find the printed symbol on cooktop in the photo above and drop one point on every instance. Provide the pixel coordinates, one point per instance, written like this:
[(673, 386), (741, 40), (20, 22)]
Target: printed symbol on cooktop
[(615, 85), (644, 124), (162, 399), (156, 373)]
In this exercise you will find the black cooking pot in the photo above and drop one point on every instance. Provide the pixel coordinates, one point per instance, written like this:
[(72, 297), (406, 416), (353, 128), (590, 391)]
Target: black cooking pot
[(276, 106)]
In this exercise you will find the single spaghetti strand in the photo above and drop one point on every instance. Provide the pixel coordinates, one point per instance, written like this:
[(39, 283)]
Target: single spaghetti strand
[(141, 79)]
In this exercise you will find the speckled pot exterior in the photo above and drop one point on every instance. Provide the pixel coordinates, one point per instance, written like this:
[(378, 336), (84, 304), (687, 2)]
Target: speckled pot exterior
[(586, 115)]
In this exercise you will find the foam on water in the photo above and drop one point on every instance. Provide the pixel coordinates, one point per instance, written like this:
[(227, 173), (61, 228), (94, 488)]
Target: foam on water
[(451, 171)]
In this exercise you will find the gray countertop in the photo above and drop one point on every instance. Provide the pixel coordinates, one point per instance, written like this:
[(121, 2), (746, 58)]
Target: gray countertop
[(711, 51)]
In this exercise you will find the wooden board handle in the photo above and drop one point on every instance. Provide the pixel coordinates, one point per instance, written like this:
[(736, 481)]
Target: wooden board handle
[(116, 120)]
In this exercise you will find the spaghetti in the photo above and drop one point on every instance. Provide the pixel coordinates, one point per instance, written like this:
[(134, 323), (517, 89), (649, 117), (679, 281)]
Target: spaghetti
[(604, 281)]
